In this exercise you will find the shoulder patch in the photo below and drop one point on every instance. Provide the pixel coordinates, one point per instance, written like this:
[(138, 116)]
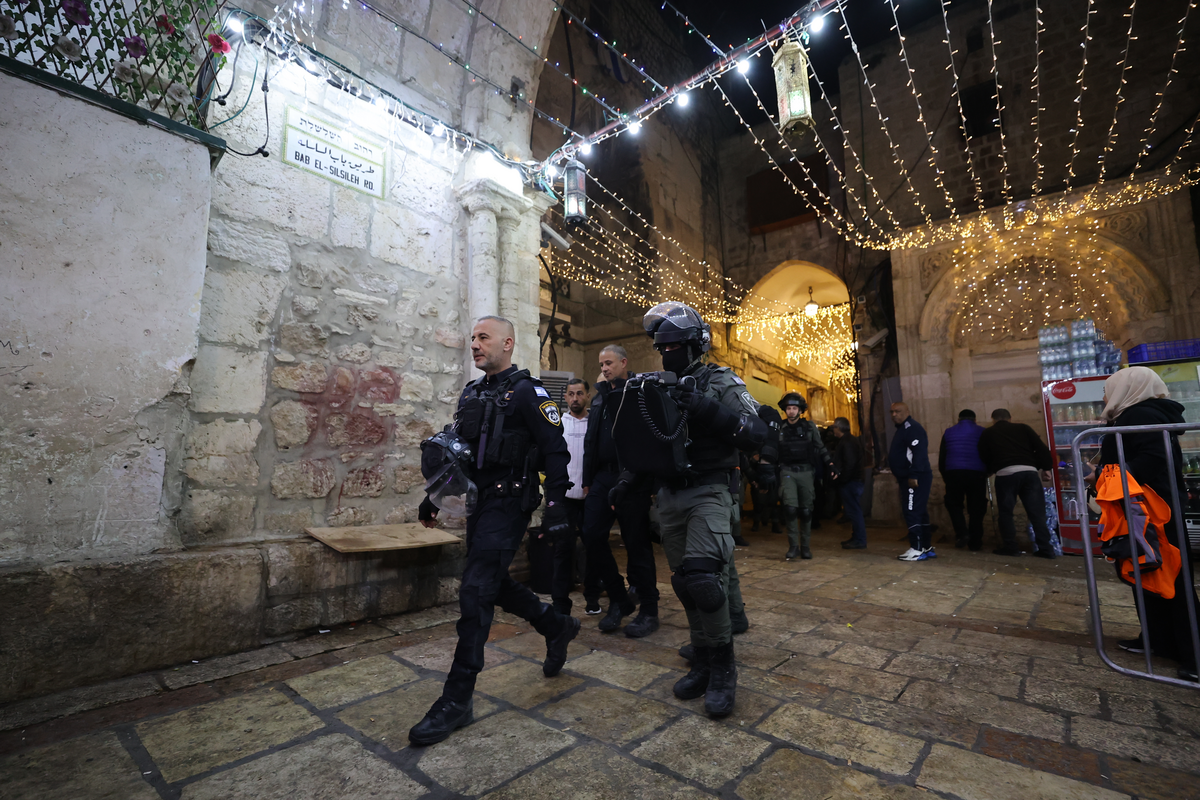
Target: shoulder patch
[(907, 424), (736, 379), (540, 392), (550, 411)]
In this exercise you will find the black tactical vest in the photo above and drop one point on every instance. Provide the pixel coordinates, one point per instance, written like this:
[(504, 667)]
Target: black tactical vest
[(496, 433), (796, 443), (707, 452)]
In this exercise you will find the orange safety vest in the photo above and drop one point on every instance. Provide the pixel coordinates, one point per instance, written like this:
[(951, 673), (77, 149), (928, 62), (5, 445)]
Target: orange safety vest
[(1158, 559)]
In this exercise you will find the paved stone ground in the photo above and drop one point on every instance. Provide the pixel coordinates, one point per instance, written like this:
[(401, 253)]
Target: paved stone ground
[(861, 677)]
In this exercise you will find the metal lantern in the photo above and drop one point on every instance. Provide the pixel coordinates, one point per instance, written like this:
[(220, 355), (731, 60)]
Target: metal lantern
[(791, 86), (574, 193)]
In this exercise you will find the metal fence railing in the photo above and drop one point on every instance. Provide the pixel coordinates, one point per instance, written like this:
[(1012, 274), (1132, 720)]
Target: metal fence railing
[(1139, 548), (159, 54)]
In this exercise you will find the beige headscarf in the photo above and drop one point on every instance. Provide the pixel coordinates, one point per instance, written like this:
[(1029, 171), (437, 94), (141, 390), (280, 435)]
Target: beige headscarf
[(1130, 386)]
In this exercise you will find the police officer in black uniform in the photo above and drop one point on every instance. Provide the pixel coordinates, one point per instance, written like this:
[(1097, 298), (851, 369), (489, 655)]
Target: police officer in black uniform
[(801, 454), (513, 430), (695, 504)]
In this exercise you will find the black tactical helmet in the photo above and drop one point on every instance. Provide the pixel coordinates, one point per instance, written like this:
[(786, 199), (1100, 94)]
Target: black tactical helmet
[(793, 399), (673, 321)]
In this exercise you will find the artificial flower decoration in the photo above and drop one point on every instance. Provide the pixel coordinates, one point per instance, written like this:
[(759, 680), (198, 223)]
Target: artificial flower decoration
[(164, 24), (218, 44), (126, 71), (178, 93), (135, 46), (77, 11), (68, 48), (8, 27)]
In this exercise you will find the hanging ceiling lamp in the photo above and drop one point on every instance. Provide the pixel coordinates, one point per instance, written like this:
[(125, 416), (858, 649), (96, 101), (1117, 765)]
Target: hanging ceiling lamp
[(791, 86), (574, 193), (811, 308)]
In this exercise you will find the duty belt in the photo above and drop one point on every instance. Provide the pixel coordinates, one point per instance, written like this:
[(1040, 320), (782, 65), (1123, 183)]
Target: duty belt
[(798, 467), (721, 478), (504, 488)]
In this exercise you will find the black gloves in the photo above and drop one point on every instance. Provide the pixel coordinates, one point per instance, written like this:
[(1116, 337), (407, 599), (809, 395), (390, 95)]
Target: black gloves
[(555, 520), (427, 510), (699, 407), (616, 495)]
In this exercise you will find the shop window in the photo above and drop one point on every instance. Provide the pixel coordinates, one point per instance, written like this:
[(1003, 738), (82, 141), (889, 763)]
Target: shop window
[(980, 109)]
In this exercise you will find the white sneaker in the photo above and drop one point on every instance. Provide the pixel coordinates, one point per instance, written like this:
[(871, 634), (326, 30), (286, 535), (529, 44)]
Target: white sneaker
[(911, 554)]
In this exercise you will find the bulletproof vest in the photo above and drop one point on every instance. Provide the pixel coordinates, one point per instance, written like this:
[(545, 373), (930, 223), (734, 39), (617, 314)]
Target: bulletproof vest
[(796, 444), (496, 432), (707, 451)]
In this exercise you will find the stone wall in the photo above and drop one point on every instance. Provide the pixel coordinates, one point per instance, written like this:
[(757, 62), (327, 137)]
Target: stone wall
[(1073, 131), (329, 335), (97, 331)]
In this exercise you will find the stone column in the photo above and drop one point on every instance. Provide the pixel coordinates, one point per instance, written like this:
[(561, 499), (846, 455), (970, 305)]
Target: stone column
[(483, 264)]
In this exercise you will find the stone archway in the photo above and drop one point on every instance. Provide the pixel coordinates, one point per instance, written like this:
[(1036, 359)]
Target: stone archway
[(1036, 276)]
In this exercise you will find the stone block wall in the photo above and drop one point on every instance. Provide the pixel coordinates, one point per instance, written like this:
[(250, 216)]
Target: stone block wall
[(283, 379), (1072, 132)]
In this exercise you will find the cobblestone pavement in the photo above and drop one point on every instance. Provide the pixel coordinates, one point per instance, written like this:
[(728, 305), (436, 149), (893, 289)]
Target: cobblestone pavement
[(970, 676)]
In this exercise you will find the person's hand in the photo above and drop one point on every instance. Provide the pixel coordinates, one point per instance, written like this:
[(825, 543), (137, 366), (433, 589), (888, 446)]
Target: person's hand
[(427, 513), (691, 401), (833, 474), (585, 490), (555, 520), (616, 495), (913, 483), (1046, 476)]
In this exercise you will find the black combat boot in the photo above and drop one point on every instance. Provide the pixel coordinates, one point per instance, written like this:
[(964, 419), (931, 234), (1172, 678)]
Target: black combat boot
[(612, 620), (643, 625), (805, 552), (687, 653), (693, 685), (556, 647), (445, 717), (792, 552), (722, 682), (739, 621)]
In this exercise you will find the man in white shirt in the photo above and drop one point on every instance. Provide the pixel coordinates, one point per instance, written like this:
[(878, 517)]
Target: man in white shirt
[(575, 423)]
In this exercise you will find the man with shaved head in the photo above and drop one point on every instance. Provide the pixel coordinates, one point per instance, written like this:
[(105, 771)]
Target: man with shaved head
[(909, 462), (506, 430)]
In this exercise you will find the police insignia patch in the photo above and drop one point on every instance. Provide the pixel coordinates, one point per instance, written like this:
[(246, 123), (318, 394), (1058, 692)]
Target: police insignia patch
[(549, 410)]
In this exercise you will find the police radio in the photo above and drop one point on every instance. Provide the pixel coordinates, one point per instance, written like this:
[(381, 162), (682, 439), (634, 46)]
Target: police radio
[(649, 430)]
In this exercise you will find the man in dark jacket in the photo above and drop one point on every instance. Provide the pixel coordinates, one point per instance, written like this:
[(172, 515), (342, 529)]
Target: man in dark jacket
[(601, 473), (1015, 453), (908, 459), (965, 476), (848, 464)]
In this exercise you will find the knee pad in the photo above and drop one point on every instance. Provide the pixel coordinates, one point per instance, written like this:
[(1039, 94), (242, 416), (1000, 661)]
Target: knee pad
[(706, 590), (791, 513), (679, 584), (806, 513)]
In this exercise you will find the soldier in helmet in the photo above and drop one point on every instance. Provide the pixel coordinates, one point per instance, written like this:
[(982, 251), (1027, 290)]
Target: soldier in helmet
[(695, 505), (801, 453), (509, 429)]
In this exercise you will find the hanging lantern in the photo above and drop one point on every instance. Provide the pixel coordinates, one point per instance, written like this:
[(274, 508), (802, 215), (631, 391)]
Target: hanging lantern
[(574, 193), (811, 308), (791, 86)]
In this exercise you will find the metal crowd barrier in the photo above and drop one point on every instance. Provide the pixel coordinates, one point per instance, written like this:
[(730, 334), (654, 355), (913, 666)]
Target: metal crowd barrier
[(1177, 519)]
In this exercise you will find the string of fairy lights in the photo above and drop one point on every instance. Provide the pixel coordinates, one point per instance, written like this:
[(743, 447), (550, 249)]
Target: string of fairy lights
[(650, 267)]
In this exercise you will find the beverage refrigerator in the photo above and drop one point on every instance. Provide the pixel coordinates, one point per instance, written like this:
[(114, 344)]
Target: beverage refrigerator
[(1074, 404)]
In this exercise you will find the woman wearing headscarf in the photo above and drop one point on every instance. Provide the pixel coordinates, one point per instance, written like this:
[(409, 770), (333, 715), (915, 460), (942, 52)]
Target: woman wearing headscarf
[(1138, 396)]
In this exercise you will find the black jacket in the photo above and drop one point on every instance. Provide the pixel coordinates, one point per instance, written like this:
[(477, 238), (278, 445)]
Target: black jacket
[(1008, 444), (599, 452), (848, 459), (1145, 456)]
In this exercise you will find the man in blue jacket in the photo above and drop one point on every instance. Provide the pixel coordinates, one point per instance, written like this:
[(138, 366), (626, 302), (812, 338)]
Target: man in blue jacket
[(909, 462), (966, 477)]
